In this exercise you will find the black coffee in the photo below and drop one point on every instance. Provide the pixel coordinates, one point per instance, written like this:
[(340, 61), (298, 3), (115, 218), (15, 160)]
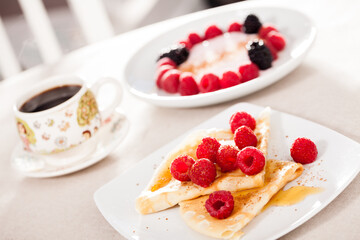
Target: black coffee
[(49, 98)]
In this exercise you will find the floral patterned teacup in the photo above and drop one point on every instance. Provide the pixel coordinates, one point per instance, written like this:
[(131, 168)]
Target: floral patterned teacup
[(68, 124)]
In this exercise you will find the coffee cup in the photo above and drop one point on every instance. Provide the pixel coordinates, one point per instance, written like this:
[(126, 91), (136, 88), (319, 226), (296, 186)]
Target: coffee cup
[(61, 113)]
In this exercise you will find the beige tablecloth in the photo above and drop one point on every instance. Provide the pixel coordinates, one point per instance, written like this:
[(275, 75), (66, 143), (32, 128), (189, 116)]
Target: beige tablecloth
[(324, 89)]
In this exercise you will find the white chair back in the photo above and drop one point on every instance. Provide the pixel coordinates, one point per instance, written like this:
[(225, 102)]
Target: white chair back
[(91, 15)]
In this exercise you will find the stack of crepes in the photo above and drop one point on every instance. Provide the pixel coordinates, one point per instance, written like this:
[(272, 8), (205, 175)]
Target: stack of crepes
[(251, 193)]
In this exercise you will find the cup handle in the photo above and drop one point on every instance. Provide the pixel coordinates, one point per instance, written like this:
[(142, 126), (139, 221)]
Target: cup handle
[(105, 113)]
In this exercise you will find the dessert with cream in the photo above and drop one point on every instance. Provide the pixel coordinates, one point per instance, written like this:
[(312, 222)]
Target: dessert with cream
[(218, 59)]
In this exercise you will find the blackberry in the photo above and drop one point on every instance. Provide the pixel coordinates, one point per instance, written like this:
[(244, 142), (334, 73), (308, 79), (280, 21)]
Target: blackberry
[(252, 24), (259, 54), (178, 53)]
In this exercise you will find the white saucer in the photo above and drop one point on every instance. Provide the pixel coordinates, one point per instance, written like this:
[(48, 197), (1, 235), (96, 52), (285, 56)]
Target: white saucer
[(105, 141)]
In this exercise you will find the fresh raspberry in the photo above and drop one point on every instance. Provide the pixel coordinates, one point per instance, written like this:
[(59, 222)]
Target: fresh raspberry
[(244, 137), (239, 119), (250, 160), (208, 148), (212, 31), (220, 204), (170, 81), (226, 158), (181, 166), (209, 83), (203, 172), (160, 73), (235, 27), (230, 79), (276, 39), (272, 49), (265, 29), (303, 151), (166, 61), (194, 38), (188, 86), (249, 72), (187, 44)]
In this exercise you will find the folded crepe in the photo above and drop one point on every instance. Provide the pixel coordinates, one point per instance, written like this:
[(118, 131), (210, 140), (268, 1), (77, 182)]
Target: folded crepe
[(164, 191), (247, 203)]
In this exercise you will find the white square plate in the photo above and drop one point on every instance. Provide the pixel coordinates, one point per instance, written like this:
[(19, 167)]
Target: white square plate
[(336, 166)]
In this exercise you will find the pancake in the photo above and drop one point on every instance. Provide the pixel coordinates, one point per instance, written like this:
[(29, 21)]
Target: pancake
[(247, 203), (164, 191)]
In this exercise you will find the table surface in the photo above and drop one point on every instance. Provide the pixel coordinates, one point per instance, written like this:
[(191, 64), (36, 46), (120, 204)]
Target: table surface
[(324, 88)]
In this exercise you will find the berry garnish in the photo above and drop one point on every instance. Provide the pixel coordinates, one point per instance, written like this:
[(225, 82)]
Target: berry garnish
[(235, 27), (229, 79), (178, 53), (187, 44), (220, 204), (239, 119), (212, 31), (226, 158), (203, 172), (303, 151), (208, 148), (250, 160), (248, 72), (209, 83), (170, 81), (265, 29), (252, 24), (259, 54), (244, 137), (181, 166), (160, 73), (188, 86), (166, 61), (194, 38), (277, 40), (272, 49)]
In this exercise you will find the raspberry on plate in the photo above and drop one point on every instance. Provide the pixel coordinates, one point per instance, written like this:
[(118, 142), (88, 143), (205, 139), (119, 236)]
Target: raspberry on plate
[(276, 39), (208, 148), (235, 27), (166, 61), (181, 166), (265, 29), (160, 73), (230, 79), (250, 160), (212, 31), (248, 72), (239, 119), (170, 81), (244, 137), (188, 85), (203, 172), (220, 204), (226, 158), (187, 44), (303, 151), (272, 49), (209, 83), (194, 38)]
